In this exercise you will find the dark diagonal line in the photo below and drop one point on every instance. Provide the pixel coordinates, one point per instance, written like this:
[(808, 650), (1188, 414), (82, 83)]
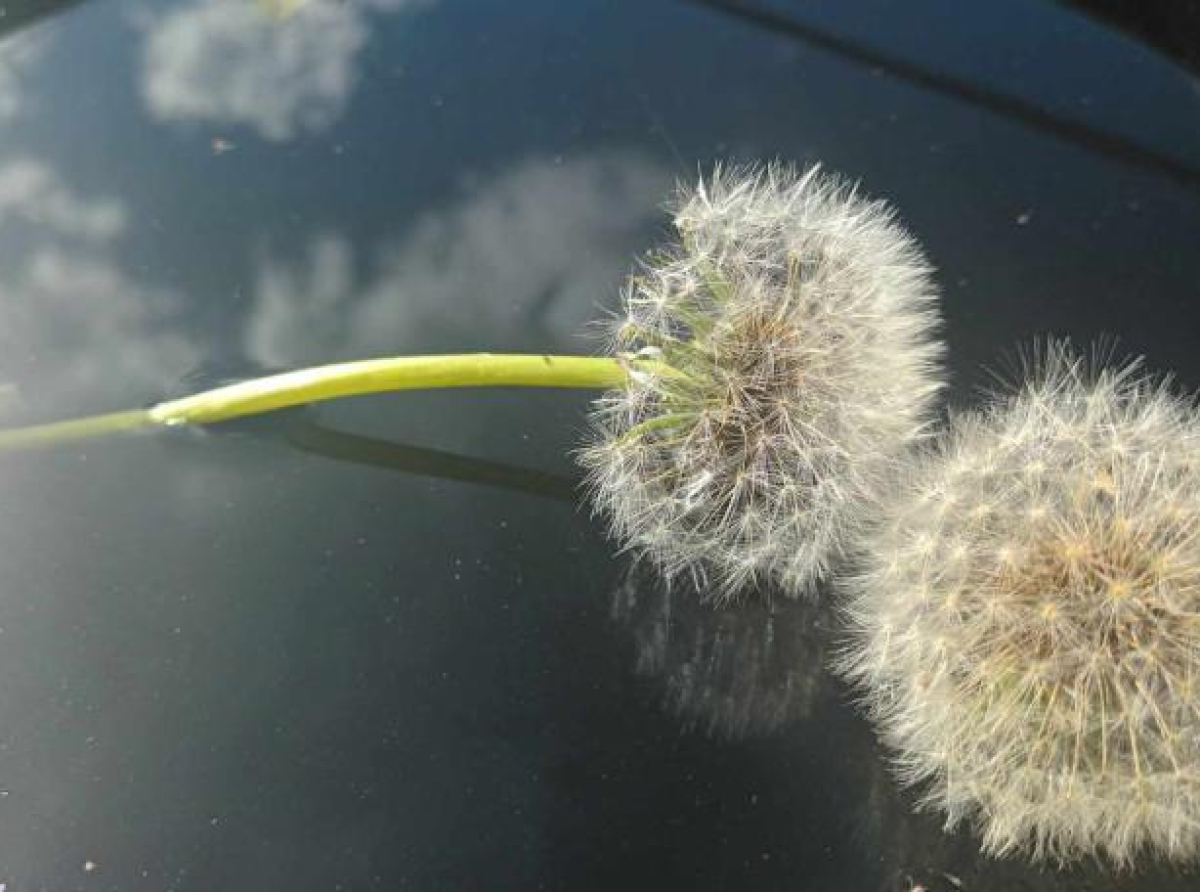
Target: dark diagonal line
[(1100, 142)]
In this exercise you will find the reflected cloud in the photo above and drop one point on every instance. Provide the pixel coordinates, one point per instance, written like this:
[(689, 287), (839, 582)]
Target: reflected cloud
[(18, 53), (75, 325), (299, 311), (279, 68), (30, 193), (523, 261), (732, 673)]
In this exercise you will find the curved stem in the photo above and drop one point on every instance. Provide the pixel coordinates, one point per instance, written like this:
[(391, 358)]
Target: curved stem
[(328, 382), (399, 373)]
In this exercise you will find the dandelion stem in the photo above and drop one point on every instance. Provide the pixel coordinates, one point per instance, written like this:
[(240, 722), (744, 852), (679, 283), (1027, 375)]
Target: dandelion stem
[(673, 419), (328, 382), (75, 429)]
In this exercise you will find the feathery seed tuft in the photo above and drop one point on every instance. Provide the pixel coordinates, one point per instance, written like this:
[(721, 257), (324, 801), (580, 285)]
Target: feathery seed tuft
[(1026, 628), (792, 327)]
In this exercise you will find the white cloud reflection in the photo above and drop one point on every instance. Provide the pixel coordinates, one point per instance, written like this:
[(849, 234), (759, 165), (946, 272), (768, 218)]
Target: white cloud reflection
[(75, 325), (282, 69), (31, 195), (522, 261), (527, 258), (18, 53)]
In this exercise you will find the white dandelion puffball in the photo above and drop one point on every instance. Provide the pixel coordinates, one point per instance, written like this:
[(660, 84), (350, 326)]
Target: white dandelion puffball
[(1026, 626), (791, 331)]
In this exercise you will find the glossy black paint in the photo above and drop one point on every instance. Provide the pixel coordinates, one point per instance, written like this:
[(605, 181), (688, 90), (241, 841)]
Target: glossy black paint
[(382, 644)]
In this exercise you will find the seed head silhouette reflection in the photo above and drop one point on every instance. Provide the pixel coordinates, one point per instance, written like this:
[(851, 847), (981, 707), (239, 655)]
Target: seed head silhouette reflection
[(792, 330), (730, 674), (1027, 623)]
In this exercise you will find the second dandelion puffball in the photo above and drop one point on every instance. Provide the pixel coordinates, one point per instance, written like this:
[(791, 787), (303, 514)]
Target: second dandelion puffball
[(1027, 619), (790, 357)]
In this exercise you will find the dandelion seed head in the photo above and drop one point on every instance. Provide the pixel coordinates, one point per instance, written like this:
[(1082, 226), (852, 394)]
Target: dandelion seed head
[(1034, 666), (794, 320)]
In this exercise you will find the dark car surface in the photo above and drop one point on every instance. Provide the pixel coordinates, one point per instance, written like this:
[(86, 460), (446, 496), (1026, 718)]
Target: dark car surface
[(382, 643)]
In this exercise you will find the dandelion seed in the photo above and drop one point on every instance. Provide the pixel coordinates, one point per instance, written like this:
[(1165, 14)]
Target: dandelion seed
[(1063, 720), (805, 363)]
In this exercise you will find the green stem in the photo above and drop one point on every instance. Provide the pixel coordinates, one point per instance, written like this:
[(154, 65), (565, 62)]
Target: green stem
[(75, 429), (328, 382), (658, 422)]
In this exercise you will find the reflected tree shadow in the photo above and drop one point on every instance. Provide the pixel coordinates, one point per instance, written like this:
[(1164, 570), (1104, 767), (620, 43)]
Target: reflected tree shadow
[(1173, 29), (1091, 139), (19, 14)]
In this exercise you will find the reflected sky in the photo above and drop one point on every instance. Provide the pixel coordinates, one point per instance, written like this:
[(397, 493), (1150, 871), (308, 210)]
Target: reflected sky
[(258, 658), (731, 674), (21, 52), (530, 256), (278, 68), (70, 306)]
